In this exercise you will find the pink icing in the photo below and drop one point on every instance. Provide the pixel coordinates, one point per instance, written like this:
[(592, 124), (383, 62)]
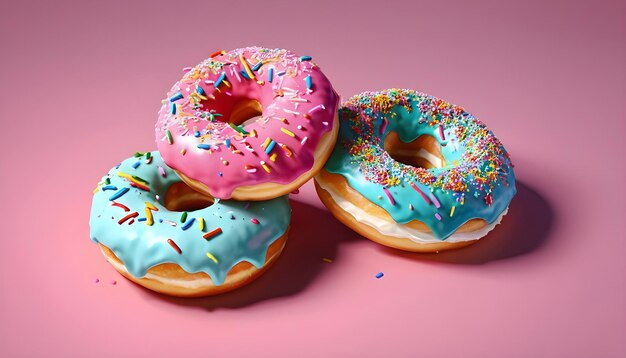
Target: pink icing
[(293, 116)]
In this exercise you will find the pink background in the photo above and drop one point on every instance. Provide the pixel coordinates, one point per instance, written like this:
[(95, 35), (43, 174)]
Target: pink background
[(80, 85)]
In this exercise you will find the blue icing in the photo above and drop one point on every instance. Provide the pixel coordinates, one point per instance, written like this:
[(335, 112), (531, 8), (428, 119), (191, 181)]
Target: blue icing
[(140, 246), (477, 178)]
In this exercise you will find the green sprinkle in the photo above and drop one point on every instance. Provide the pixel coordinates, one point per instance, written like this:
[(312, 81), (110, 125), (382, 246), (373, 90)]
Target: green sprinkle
[(237, 128), (139, 154), (183, 217), (170, 140), (107, 181), (148, 155), (141, 180)]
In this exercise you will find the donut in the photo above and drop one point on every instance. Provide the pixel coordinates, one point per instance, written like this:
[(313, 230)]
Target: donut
[(414, 172), (249, 124), (161, 234)]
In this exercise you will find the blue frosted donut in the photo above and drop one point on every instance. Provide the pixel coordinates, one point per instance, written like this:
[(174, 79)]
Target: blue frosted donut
[(414, 172), (159, 233)]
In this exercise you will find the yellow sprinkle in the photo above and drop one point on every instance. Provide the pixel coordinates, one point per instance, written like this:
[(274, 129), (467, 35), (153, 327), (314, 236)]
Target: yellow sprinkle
[(246, 66), (227, 83), (253, 133), (201, 223), (261, 82), (273, 157), (287, 132), (327, 260), (149, 219), (210, 255), (96, 190), (183, 151), (266, 143), (225, 162), (151, 207), (267, 169), (452, 211)]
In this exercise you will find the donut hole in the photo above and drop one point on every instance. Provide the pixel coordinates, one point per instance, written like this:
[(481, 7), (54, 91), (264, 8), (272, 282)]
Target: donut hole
[(423, 152), (245, 111), (181, 197)]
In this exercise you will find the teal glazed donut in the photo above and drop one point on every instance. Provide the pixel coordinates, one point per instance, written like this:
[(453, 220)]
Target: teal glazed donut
[(212, 247), (456, 185)]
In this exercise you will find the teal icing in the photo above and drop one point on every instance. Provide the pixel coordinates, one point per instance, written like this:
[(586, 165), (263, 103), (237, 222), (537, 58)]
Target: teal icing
[(141, 247), (477, 178)]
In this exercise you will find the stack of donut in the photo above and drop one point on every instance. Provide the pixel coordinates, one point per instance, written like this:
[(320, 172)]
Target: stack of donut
[(208, 212)]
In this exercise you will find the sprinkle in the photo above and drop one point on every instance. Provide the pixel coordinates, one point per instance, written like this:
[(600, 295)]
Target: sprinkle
[(309, 82), (174, 246), (149, 218), (250, 168), (265, 167), (183, 217), (173, 108), (139, 186), (107, 181), (270, 146), (183, 151), (266, 142), (210, 255), (217, 53), (204, 146), (237, 128), (383, 126), (273, 157), (169, 222), (162, 171), (201, 224), (151, 207), (253, 133), (435, 201), (421, 192), (255, 221), (176, 97), (281, 73), (136, 164), (411, 207), (220, 79), (227, 142), (438, 216), (244, 74), (141, 219), (287, 150), (212, 233), (124, 207), (290, 111), (188, 224), (316, 108), (225, 162), (305, 58), (131, 215), (246, 66), (379, 275), (389, 196), (270, 75), (139, 180), (443, 137), (170, 140), (287, 132), (452, 211), (304, 140), (200, 91), (96, 280), (113, 282), (118, 194), (257, 66), (187, 69), (327, 260), (109, 187)]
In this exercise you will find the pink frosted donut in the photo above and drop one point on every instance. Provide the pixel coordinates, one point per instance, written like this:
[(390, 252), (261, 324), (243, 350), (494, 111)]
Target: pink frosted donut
[(249, 124)]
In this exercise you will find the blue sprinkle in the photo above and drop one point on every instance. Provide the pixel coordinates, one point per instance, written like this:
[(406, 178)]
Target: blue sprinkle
[(219, 174), (270, 147), (200, 91), (204, 146), (281, 73), (197, 134), (141, 219), (160, 220), (309, 82), (305, 58), (220, 79), (188, 224), (270, 75), (136, 164), (228, 142), (109, 187), (173, 108), (176, 97), (118, 194), (257, 66), (379, 275), (244, 74)]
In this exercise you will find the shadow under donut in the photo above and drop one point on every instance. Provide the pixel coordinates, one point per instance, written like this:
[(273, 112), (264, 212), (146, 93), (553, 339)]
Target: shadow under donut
[(314, 235), (524, 229)]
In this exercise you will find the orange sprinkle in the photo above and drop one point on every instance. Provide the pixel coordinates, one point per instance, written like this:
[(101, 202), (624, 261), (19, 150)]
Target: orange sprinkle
[(131, 215), (174, 246), (212, 233)]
